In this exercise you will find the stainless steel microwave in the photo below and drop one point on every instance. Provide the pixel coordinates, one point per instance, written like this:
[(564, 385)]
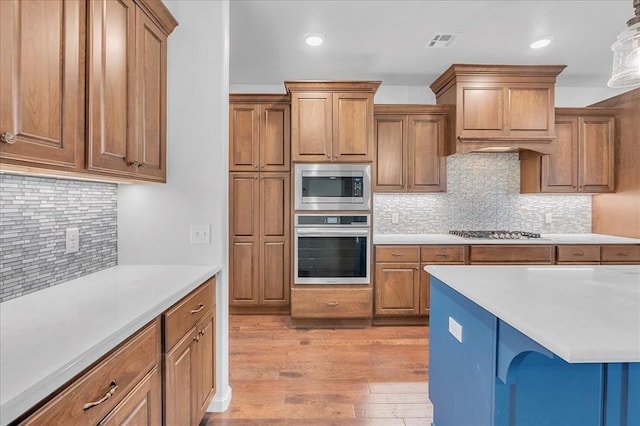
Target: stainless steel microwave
[(332, 186)]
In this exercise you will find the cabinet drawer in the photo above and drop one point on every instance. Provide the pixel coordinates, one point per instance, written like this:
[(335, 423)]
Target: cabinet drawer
[(629, 253), (578, 254), (179, 319), (443, 254), (517, 254), (118, 373), (331, 303), (397, 253)]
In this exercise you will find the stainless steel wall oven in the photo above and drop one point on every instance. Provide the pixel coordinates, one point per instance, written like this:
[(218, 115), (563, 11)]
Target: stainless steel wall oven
[(332, 249)]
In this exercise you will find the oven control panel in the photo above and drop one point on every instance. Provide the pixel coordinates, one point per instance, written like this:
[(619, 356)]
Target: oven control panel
[(331, 220)]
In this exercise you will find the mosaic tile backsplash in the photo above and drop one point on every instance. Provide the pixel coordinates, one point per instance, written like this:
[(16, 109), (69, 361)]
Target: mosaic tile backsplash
[(34, 215), (483, 192)]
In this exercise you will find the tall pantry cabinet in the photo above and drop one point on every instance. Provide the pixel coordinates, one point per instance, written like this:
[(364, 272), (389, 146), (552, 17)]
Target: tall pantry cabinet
[(259, 203)]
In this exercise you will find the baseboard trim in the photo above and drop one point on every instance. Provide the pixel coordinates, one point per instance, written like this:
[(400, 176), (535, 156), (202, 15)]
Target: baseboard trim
[(220, 401)]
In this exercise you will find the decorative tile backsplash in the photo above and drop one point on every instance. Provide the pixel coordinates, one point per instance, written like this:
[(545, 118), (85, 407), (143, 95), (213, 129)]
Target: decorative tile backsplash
[(34, 215), (483, 192)]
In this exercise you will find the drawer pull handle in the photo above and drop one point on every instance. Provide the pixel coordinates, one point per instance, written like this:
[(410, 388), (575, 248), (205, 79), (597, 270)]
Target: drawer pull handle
[(331, 303), (580, 253), (622, 253), (397, 254), (200, 308), (196, 338), (442, 255), (114, 388)]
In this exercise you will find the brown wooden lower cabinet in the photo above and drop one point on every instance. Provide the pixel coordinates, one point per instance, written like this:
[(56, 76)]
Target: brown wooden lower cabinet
[(124, 387), (512, 254), (118, 375), (578, 254), (189, 379), (330, 302), (620, 254)]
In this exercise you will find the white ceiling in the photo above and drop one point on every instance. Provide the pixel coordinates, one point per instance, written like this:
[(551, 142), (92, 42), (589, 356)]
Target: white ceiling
[(385, 40)]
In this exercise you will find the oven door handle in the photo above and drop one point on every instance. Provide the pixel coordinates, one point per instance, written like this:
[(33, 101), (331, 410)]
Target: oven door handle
[(319, 232)]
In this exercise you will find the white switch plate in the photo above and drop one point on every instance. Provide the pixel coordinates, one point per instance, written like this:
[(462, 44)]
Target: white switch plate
[(395, 217), (72, 240), (548, 218), (455, 329), (200, 234)]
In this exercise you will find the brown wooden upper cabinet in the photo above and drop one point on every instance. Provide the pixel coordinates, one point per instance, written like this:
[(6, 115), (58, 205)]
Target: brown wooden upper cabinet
[(42, 83), (583, 159), (409, 148), (332, 121), (43, 104), (259, 133), (500, 107)]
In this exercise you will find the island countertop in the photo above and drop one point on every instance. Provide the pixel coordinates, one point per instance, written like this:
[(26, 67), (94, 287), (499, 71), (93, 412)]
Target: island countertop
[(48, 337), (580, 313)]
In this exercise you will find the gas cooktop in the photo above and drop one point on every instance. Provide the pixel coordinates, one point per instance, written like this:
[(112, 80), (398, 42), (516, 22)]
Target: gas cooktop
[(498, 235)]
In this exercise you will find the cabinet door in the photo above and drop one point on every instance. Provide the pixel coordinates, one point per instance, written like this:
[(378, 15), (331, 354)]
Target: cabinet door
[(352, 127), (397, 289), (42, 82), (275, 138), (244, 225), (142, 406), (530, 110), (203, 372), (111, 80), (244, 137), (480, 110), (151, 141), (425, 147), (274, 241), (311, 127), (389, 173), (596, 145), (178, 382), (559, 171)]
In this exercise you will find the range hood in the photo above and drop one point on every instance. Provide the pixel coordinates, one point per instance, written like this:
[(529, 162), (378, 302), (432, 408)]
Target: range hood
[(500, 108)]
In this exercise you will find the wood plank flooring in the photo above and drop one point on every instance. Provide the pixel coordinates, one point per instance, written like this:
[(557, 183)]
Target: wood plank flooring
[(285, 376)]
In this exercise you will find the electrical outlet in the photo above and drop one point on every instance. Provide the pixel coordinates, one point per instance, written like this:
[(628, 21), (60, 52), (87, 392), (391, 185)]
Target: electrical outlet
[(72, 240), (548, 218), (455, 328), (395, 218), (200, 234)]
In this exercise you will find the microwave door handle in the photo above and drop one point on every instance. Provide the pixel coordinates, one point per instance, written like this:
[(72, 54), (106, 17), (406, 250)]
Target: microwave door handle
[(319, 232)]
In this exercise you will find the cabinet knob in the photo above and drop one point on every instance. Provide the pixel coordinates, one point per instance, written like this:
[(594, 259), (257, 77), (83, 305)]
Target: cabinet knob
[(8, 137), (335, 156), (328, 155), (417, 268), (134, 164), (255, 166)]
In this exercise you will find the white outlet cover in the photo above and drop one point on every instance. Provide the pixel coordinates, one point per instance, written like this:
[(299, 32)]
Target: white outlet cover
[(72, 240), (455, 329), (200, 234)]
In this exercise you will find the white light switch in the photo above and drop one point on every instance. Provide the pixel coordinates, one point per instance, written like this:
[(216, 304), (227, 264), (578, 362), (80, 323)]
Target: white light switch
[(548, 218), (455, 329), (395, 217), (200, 234), (72, 240)]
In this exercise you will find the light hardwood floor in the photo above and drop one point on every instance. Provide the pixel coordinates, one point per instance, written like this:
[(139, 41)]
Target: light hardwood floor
[(284, 376)]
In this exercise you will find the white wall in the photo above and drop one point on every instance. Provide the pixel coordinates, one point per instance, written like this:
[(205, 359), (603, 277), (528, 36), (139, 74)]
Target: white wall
[(153, 219)]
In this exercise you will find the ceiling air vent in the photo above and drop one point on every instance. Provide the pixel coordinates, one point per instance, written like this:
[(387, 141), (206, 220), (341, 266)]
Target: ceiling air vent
[(443, 40)]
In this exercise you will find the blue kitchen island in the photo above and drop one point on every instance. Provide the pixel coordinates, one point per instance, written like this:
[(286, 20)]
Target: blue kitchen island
[(535, 345)]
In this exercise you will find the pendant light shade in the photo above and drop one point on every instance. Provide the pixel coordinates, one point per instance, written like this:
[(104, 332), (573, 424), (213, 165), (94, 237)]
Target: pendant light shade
[(626, 54)]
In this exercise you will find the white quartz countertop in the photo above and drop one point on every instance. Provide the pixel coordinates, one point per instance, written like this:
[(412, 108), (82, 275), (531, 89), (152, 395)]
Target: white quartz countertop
[(582, 314), (381, 239), (48, 337)]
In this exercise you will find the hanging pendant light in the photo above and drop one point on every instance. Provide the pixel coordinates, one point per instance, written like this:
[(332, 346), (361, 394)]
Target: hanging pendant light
[(626, 54)]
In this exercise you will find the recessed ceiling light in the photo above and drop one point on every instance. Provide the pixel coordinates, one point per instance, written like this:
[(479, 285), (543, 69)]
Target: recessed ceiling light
[(538, 44), (314, 39)]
